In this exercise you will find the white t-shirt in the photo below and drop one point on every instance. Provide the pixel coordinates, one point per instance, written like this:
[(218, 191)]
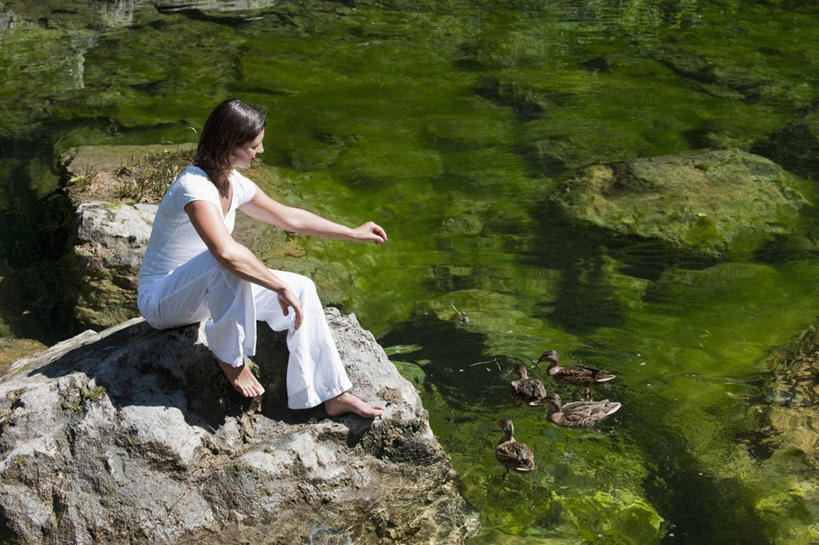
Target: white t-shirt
[(174, 240)]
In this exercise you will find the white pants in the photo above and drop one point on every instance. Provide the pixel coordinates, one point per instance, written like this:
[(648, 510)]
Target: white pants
[(203, 289)]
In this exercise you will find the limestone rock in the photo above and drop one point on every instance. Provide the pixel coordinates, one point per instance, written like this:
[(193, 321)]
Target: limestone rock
[(132, 435), (110, 243), (712, 203)]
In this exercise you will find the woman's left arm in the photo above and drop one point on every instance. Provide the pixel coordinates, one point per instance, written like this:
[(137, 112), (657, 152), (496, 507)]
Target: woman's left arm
[(297, 220)]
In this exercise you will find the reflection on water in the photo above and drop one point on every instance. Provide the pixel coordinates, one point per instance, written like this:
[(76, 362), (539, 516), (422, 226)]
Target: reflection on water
[(450, 124)]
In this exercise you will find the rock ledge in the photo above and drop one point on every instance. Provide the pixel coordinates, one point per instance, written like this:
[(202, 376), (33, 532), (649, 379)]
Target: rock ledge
[(133, 435)]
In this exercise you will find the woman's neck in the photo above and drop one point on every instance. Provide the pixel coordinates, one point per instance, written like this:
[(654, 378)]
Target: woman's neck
[(222, 182)]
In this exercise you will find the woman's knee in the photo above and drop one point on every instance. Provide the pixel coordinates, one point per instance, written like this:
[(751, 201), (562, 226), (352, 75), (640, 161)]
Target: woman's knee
[(294, 281), (302, 286)]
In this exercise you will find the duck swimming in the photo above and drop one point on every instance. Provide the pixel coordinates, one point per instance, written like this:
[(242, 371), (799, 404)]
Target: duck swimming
[(580, 375), (513, 454), (530, 390), (579, 413)]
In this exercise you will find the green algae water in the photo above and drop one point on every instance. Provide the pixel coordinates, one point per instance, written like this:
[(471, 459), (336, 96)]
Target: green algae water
[(450, 123)]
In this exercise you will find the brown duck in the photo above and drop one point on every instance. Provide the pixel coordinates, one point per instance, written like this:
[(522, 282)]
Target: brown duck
[(513, 454), (579, 413), (580, 375), (530, 390)]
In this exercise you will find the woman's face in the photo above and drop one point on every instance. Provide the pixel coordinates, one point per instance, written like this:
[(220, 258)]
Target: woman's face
[(243, 155)]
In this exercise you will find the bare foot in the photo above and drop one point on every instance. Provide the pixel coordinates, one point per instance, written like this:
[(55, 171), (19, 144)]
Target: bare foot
[(241, 379), (348, 403)]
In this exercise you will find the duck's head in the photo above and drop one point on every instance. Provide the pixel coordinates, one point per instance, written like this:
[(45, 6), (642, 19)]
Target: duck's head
[(506, 425), (520, 369), (554, 399), (551, 356)]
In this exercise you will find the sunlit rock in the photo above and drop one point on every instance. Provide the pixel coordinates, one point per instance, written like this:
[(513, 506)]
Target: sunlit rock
[(111, 240), (133, 435)]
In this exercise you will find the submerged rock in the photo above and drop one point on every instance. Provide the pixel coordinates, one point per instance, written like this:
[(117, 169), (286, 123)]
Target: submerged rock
[(530, 98), (790, 390), (710, 203), (724, 77), (132, 435)]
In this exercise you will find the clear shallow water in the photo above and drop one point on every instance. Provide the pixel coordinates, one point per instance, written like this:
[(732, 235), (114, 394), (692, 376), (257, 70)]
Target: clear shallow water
[(449, 123)]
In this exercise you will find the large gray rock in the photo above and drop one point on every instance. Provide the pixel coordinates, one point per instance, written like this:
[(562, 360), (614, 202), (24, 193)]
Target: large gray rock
[(110, 243), (133, 436), (714, 203)]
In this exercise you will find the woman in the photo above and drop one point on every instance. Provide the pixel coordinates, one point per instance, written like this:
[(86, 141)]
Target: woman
[(194, 270)]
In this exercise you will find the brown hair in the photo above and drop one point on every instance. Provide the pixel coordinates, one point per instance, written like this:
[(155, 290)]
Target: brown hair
[(231, 124)]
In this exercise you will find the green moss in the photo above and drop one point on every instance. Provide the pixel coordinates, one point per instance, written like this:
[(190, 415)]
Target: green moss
[(93, 395)]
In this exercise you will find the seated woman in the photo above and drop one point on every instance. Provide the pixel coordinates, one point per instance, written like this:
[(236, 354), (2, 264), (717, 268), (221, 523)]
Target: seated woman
[(193, 269)]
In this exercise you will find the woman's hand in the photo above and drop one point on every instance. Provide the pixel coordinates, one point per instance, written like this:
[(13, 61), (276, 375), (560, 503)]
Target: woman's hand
[(370, 232), (286, 300)]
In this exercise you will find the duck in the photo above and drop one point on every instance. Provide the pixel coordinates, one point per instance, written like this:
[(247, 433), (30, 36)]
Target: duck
[(530, 390), (580, 375), (579, 413), (513, 454)]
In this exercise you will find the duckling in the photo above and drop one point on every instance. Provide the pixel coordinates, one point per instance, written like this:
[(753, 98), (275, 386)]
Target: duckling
[(580, 375), (579, 413), (513, 454), (530, 390)]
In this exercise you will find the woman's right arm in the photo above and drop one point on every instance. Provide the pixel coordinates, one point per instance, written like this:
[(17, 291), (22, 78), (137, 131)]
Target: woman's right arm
[(235, 257)]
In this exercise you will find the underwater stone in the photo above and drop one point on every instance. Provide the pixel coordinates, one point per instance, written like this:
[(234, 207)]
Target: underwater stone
[(712, 203), (791, 390), (724, 78), (531, 99), (573, 151)]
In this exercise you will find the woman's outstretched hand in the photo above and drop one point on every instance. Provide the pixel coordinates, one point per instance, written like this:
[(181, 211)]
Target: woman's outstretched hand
[(286, 300), (370, 232)]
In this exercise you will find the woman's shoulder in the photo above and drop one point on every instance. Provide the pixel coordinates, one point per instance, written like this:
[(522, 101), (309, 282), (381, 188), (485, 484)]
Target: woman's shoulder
[(243, 186), (193, 176), (193, 184)]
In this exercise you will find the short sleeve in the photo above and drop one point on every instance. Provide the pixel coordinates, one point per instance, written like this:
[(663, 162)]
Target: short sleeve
[(243, 187), (194, 186)]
